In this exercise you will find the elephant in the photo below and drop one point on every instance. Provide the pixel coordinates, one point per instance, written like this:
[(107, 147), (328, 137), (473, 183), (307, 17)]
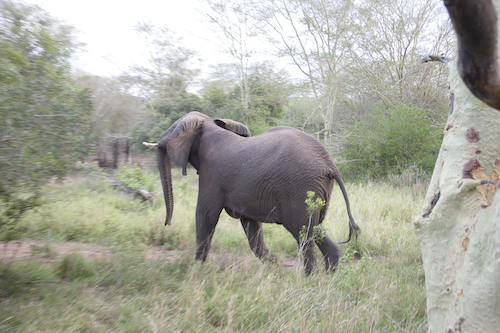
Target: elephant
[(257, 179)]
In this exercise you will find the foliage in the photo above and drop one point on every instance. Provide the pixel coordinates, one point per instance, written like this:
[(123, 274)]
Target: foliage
[(318, 232), (389, 141), (178, 105), (350, 57), (314, 206), (268, 94), (166, 112), (317, 235), (44, 118), (169, 70), (163, 83), (136, 178)]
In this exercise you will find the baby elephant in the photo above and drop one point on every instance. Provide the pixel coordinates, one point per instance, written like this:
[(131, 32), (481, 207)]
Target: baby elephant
[(257, 179)]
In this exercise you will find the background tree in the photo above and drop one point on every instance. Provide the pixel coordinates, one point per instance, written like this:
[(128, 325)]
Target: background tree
[(115, 113), (169, 70), (354, 60), (165, 82), (269, 92), (44, 117), (237, 31), (315, 36), (388, 47)]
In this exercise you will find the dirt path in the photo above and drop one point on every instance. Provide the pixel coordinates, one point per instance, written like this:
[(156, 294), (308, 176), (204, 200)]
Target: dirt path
[(25, 250), (18, 251), (48, 252)]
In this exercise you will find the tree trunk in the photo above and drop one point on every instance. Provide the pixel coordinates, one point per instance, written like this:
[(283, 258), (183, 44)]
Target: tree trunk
[(459, 228), (102, 158), (116, 152), (127, 149)]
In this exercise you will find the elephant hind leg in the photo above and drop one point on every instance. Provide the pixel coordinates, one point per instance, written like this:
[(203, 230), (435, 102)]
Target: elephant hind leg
[(308, 256), (255, 235), (331, 252), (306, 246)]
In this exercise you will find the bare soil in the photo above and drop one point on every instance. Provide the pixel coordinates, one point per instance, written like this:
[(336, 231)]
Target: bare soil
[(26, 250), (19, 251)]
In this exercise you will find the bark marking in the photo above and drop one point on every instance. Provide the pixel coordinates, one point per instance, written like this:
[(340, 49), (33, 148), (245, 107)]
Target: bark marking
[(452, 102), (465, 243), (472, 135), (469, 167), (433, 203), (474, 170)]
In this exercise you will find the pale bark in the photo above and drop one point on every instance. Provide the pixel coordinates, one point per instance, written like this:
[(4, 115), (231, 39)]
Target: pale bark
[(459, 228)]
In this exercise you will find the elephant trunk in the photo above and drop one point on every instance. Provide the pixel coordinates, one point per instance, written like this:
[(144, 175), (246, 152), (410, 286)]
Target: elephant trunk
[(166, 181)]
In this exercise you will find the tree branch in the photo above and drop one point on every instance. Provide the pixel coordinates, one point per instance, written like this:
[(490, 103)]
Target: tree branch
[(439, 58)]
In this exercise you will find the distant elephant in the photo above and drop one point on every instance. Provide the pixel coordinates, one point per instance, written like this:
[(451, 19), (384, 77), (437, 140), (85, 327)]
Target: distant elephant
[(257, 179)]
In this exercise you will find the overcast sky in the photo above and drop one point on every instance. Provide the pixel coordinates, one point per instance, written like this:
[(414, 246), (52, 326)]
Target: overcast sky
[(106, 27)]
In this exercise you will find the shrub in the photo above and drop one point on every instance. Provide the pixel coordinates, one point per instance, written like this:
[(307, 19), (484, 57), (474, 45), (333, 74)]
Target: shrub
[(135, 178), (389, 141), (74, 266)]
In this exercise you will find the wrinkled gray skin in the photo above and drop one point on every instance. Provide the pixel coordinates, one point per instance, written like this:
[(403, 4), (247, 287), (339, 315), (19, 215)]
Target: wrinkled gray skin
[(257, 179)]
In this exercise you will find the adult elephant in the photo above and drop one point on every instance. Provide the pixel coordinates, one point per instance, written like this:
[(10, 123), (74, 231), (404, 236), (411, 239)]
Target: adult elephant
[(257, 179)]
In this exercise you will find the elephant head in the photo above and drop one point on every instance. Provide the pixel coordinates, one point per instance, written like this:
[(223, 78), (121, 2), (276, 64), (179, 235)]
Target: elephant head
[(175, 145)]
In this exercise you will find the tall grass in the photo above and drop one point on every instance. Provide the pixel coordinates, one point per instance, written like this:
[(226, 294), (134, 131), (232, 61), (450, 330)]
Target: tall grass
[(378, 286)]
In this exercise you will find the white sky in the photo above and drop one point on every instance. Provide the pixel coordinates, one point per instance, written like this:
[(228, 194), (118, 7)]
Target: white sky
[(105, 26)]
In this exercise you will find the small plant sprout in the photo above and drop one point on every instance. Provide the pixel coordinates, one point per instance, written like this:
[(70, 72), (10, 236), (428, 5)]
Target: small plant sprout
[(313, 206), (318, 231)]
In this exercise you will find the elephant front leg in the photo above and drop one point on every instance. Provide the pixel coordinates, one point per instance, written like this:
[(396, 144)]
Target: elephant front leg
[(205, 228), (255, 235)]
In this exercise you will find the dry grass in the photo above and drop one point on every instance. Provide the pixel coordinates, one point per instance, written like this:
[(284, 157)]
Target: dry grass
[(378, 287)]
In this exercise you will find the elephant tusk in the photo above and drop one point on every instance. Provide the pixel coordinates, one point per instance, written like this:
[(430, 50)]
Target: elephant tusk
[(152, 145)]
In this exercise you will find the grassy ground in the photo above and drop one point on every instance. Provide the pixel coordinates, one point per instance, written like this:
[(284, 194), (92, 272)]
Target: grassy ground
[(378, 286)]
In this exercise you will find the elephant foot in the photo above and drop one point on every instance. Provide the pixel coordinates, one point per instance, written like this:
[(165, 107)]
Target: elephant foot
[(271, 258), (330, 268)]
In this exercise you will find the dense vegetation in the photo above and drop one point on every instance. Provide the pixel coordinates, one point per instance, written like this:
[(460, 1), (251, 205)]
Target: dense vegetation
[(390, 141), (43, 117)]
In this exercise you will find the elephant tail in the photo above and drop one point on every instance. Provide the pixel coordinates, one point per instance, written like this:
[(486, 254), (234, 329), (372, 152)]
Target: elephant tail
[(353, 227)]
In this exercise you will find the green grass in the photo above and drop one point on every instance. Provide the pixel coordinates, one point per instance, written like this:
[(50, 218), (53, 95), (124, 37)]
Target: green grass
[(378, 286)]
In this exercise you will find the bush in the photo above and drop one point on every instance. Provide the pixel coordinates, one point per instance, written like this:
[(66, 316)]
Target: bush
[(135, 178), (389, 141), (74, 266)]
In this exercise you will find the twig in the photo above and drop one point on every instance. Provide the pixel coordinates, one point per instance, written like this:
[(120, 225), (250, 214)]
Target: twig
[(439, 58)]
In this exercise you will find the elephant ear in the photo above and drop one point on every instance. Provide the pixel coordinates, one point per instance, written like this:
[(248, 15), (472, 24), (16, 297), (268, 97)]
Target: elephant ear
[(233, 126), (180, 137)]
